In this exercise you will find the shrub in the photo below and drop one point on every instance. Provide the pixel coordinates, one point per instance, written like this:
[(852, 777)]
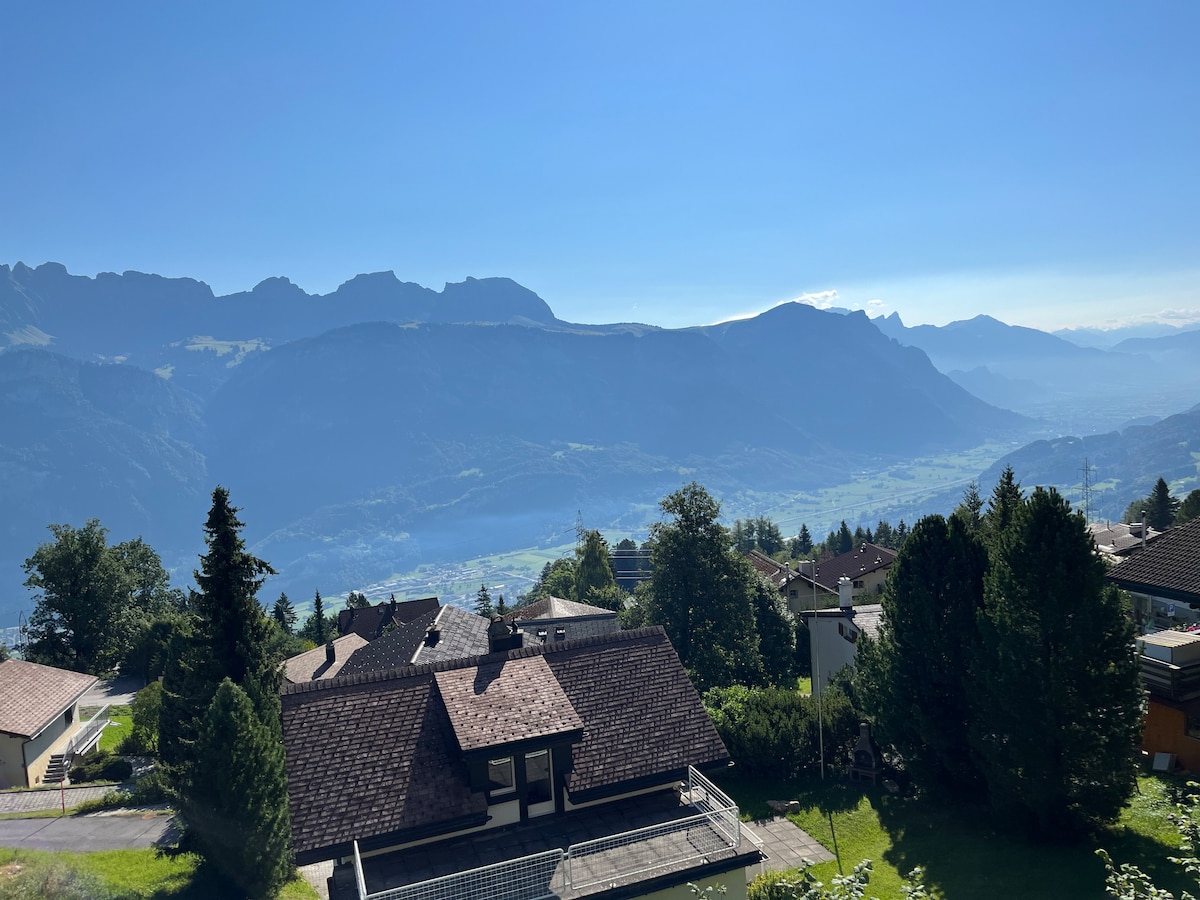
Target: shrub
[(101, 766), (774, 733), (57, 880)]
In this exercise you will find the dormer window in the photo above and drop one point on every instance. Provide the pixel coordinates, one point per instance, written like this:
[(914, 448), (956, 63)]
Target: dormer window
[(541, 633), (560, 633), (501, 778)]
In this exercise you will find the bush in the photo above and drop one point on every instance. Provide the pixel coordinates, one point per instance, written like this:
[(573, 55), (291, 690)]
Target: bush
[(774, 733), (57, 880), (101, 766)]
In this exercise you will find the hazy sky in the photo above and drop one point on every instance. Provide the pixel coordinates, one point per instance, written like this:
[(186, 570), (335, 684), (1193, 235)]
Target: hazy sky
[(674, 163)]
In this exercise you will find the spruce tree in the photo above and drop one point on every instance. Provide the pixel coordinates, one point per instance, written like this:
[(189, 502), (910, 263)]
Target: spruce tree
[(916, 679), (1189, 508), (803, 543), (236, 811), (1059, 700), (227, 639), (1161, 507), (483, 603), (284, 613), (1006, 498)]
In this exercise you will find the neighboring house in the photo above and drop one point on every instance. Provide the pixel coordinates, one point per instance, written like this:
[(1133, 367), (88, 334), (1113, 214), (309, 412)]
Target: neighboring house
[(322, 662), (40, 728), (833, 634), (371, 622), (1164, 579), (1170, 669), (556, 619), (796, 586), (866, 566), (1117, 541), (564, 769)]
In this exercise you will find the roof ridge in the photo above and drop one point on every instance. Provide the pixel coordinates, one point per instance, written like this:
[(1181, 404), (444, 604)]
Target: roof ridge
[(447, 665)]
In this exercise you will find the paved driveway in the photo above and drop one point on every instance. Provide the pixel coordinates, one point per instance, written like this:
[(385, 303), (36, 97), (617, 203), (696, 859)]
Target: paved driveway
[(118, 692), (86, 832)]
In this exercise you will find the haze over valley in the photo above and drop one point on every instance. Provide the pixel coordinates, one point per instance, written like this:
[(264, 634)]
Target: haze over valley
[(387, 426)]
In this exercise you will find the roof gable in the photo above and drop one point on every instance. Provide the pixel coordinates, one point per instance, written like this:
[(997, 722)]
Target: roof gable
[(559, 608), (313, 664), (370, 621), (461, 635), (32, 696), (505, 701)]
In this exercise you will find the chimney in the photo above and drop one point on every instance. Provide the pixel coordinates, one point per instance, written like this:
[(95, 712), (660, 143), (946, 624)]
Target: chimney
[(845, 594), (330, 653), (432, 636), (1143, 529), (805, 567), (503, 636)]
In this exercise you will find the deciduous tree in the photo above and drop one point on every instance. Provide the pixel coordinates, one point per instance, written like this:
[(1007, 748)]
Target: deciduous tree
[(93, 597), (699, 592)]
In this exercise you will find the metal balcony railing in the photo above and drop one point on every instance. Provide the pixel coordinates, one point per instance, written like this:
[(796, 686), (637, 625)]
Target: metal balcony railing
[(88, 732), (714, 829)]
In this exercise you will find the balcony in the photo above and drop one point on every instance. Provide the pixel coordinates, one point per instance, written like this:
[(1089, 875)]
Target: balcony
[(608, 846)]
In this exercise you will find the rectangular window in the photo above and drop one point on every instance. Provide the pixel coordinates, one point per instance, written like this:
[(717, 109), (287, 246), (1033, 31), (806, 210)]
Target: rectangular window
[(500, 776), (858, 583), (537, 777)]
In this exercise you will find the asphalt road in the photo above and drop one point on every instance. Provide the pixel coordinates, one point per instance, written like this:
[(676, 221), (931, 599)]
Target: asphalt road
[(86, 832)]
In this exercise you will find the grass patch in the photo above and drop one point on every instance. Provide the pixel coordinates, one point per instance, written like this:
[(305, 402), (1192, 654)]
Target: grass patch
[(123, 875), (963, 857), (122, 725)]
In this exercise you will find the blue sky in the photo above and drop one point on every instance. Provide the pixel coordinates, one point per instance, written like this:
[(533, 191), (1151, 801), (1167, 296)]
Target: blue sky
[(673, 163)]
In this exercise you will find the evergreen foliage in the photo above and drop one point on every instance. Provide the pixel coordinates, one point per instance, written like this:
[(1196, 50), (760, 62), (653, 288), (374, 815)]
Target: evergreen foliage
[(483, 603), (284, 613), (146, 709), (969, 511), (593, 571), (1059, 700), (845, 539), (236, 810), (699, 592), (1004, 667), (773, 732), (915, 681), (357, 600), (802, 544), (317, 627), (776, 634), (1189, 508), (1002, 506), (228, 650)]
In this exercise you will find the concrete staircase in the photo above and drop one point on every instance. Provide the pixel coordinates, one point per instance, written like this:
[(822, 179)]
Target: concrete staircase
[(56, 771)]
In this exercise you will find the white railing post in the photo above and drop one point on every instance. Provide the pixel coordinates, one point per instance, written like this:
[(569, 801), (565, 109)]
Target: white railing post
[(359, 881)]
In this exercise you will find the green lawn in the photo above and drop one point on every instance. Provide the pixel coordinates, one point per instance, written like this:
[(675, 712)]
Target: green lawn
[(962, 856), (122, 724), (120, 874)]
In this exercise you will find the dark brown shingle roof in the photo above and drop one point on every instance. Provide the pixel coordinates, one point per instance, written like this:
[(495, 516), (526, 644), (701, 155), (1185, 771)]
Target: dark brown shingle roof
[(462, 634), (376, 754), (373, 756), (642, 716), (33, 696), (1169, 566), (393, 650), (858, 562), (503, 701), (370, 621)]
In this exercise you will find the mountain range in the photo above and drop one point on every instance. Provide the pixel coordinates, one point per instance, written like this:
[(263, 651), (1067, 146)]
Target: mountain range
[(385, 424)]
